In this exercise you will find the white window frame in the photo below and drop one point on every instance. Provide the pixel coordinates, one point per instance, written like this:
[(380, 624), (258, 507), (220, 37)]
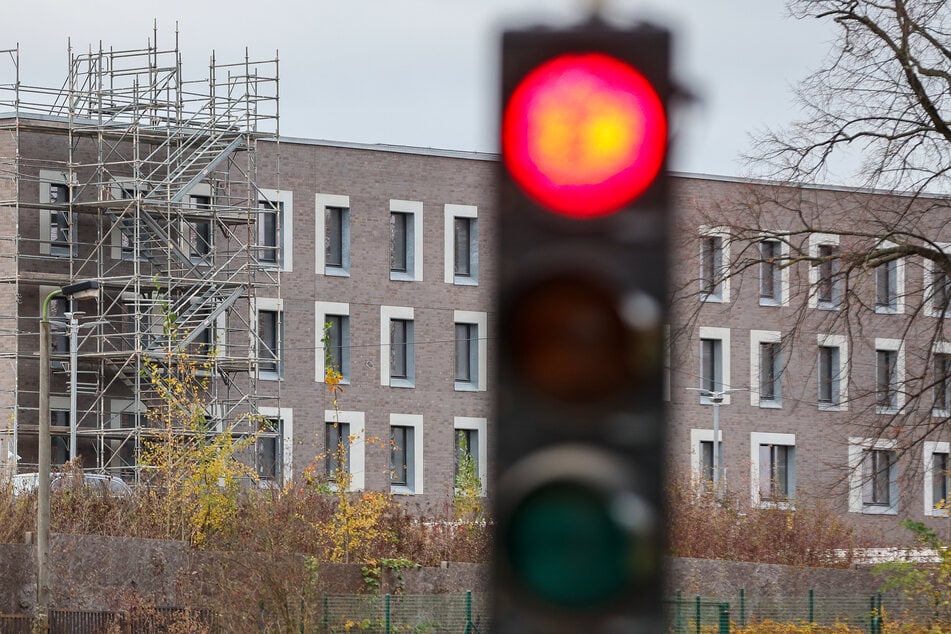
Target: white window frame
[(321, 203), (118, 407), (857, 450), (286, 416), (358, 434), (758, 337), (782, 272), (815, 241), (321, 311), (930, 448), (116, 189), (480, 320), (415, 421), (722, 292), (450, 213), (842, 343), (926, 283), (47, 178), (899, 307), (185, 227), (414, 259), (479, 425), (941, 348), (897, 346), (270, 304), (387, 314), (698, 436), (758, 439), (285, 225), (723, 334)]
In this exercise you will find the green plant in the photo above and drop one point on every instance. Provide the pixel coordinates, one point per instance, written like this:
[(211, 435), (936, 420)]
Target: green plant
[(926, 582)]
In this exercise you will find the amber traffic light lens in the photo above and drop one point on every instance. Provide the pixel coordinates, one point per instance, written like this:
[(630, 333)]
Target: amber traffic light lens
[(583, 134)]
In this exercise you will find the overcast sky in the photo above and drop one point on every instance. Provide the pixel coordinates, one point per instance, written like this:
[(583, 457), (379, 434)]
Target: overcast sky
[(424, 72)]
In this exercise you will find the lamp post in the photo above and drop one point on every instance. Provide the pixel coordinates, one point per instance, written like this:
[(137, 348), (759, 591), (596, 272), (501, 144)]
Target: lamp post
[(716, 399), (80, 290)]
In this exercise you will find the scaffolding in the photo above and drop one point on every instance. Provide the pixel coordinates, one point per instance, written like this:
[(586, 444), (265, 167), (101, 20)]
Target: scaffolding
[(133, 176)]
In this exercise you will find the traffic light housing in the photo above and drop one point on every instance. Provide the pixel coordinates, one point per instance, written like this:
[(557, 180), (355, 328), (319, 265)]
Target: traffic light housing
[(582, 300)]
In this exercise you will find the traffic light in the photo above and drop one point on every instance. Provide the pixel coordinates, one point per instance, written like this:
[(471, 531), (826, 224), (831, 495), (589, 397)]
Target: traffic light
[(582, 300)]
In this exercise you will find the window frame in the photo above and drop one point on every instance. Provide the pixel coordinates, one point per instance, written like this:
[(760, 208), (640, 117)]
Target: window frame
[(895, 382), (758, 340), (323, 311), (323, 203), (941, 351), (697, 438), (276, 306), (479, 426), (931, 477), (817, 276), (478, 350), (859, 478), (929, 272), (283, 200), (451, 214), (286, 417), (357, 422), (58, 249), (720, 293), (896, 302), (414, 453), (723, 336), (758, 440), (839, 379), (199, 198), (413, 238), (389, 314)]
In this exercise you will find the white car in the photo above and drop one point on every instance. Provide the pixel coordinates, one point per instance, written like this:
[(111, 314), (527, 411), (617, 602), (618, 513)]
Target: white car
[(28, 482)]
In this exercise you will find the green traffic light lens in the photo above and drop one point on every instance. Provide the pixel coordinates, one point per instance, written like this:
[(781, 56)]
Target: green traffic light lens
[(567, 548)]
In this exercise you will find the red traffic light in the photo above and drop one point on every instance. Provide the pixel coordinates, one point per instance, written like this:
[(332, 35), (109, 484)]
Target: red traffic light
[(583, 134)]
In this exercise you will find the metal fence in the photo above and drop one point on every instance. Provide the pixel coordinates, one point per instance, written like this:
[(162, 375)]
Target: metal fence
[(145, 621), (421, 614)]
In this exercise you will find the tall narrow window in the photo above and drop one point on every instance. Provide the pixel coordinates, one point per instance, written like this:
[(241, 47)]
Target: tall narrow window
[(828, 375), (769, 372), (269, 449), (59, 331), (942, 383), (466, 447), (338, 343), (886, 381), (199, 231), (940, 289), (940, 480), (770, 272), (334, 220), (826, 290), (711, 267), (462, 237), (706, 461), (886, 286), (61, 242), (461, 244), (401, 241), (338, 447), (467, 353), (774, 471), (879, 474), (400, 455), (271, 335), (711, 364), (269, 231), (400, 350)]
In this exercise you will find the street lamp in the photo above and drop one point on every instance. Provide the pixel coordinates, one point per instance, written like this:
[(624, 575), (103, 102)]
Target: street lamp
[(716, 398), (87, 289)]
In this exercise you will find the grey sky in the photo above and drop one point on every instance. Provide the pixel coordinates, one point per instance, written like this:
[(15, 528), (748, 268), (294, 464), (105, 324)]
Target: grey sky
[(423, 72)]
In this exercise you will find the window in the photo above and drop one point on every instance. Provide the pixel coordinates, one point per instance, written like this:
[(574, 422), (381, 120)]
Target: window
[(276, 228), (57, 234), (269, 230), (406, 240), (332, 221), (765, 368), (773, 469), (770, 272), (937, 480), (274, 451), (269, 452), (701, 457), (831, 372), (350, 430), (461, 244), (470, 350), (889, 375), (942, 384), (714, 256), (127, 234), (889, 284), (270, 338), (826, 285), (937, 284), (470, 438), (406, 453), (333, 322), (873, 476), (337, 447), (397, 360), (59, 329), (198, 232), (714, 361)]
